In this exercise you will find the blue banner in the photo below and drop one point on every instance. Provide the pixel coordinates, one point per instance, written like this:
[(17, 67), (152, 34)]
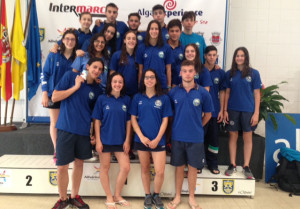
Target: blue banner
[(287, 135)]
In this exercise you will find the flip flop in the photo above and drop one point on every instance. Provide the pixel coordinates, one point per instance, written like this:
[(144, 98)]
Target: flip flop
[(217, 171), (123, 203), (173, 205), (194, 206), (110, 205), (199, 171)]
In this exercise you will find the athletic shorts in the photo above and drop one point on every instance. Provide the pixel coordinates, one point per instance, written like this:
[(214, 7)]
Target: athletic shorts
[(53, 105), (240, 121), (187, 153), (141, 147), (70, 146), (112, 148)]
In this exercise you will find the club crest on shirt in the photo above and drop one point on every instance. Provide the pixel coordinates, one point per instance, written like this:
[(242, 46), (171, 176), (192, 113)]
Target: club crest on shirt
[(180, 56), (145, 55), (161, 54), (91, 95), (167, 36), (198, 44), (140, 102), (248, 78), (216, 81), (105, 68), (139, 37), (107, 107), (158, 104), (124, 108), (57, 64), (197, 76), (118, 34), (228, 186), (196, 102), (175, 101)]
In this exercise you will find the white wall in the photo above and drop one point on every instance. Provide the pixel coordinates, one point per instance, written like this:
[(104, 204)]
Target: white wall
[(269, 29)]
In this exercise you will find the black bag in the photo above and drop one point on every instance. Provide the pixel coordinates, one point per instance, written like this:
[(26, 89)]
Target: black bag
[(288, 176)]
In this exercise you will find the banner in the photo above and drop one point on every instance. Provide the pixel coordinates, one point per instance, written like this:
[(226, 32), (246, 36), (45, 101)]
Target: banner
[(56, 16)]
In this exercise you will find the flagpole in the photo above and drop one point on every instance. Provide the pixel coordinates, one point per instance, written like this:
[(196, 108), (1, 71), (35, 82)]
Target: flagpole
[(0, 65)]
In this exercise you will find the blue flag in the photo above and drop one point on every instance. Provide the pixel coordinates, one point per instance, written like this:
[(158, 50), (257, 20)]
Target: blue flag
[(33, 47)]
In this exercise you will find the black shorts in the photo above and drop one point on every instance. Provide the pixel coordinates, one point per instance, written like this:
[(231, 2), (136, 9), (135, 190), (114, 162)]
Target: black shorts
[(53, 105), (240, 121), (187, 153), (112, 148), (70, 146), (141, 147)]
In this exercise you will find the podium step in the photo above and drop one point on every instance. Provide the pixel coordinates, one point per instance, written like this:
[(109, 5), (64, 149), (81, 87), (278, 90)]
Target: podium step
[(37, 174)]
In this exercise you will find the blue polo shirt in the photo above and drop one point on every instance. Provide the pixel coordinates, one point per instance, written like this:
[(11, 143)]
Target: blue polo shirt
[(156, 58), (242, 90), (129, 71), (80, 65), (81, 37), (178, 57), (121, 30), (150, 113), (76, 110), (188, 108), (203, 79), (218, 80), (55, 67), (194, 38), (113, 114), (140, 37)]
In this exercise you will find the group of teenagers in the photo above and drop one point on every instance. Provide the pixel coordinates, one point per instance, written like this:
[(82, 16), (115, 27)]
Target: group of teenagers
[(113, 84)]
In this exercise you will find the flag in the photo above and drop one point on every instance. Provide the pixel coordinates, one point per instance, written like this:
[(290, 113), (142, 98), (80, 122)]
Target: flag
[(5, 52), (33, 47), (18, 50)]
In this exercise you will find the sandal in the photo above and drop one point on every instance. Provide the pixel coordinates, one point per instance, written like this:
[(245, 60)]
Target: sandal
[(173, 205), (199, 171), (123, 203), (215, 171), (110, 205)]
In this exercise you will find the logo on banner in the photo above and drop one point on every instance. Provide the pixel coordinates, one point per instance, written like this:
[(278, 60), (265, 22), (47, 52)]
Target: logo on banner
[(228, 186), (42, 34), (215, 38), (53, 178), (3, 177), (170, 4)]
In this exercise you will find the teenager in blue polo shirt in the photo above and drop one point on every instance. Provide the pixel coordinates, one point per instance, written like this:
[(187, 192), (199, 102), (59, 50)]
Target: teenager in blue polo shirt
[(83, 33), (149, 111), (113, 135), (134, 21), (111, 13), (156, 55), (73, 135), (217, 92), (123, 61), (97, 48), (192, 110), (188, 37), (174, 29), (202, 76), (55, 67), (241, 110)]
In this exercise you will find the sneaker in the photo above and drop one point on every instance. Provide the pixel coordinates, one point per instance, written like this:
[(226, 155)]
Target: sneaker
[(54, 157), (61, 204), (248, 173), (148, 202), (157, 202), (230, 170), (78, 202)]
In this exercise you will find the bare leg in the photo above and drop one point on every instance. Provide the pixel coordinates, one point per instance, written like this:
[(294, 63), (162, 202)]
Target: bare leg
[(159, 159), (233, 137), (144, 157), (63, 181), (247, 147), (76, 177), (104, 178), (192, 179), (124, 163), (53, 131)]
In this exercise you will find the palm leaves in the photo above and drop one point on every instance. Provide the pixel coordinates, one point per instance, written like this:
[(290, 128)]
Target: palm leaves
[(271, 102)]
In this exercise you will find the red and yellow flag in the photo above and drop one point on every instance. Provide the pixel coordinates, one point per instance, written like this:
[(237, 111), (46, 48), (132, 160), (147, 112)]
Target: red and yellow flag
[(6, 90)]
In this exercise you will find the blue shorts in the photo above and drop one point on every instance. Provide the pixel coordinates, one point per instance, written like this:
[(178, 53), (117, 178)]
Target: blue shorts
[(240, 121), (187, 153), (141, 147), (70, 146), (112, 148)]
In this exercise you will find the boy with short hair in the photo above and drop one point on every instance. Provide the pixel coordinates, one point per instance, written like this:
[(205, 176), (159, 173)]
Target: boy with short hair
[(111, 13), (217, 92), (189, 101), (188, 37), (174, 30), (134, 21)]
